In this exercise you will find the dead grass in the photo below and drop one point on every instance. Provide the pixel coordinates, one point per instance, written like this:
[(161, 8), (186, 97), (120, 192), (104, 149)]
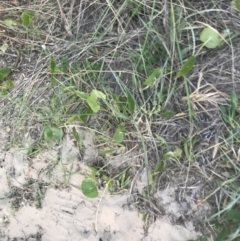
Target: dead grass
[(129, 39)]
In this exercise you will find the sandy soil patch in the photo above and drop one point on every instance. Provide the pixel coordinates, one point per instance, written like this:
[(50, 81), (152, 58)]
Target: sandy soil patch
[(41, 200)]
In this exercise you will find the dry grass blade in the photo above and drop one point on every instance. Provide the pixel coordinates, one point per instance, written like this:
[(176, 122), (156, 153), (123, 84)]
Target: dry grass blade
[(75, 52), (67, 25), (205, 95)]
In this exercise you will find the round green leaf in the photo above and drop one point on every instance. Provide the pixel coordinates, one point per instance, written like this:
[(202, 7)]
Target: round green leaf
[(9, 84), (236, 3), (118, 136), (89, 188), (210, 38), (27, 17), (4, 72), (53, 133), (119, 133), (3, 93)]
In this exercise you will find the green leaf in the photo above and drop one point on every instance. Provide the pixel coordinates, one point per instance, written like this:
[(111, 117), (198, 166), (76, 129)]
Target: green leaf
[(76, 136), (160, 138), (176, 154), (9, 84), (9, 22), (53, 65), (94, 170), (234, 100), (48, 134), (228, 114), (224, 113), (4, 47), (153, 77), (27, 18), (121, 126), (131, 103), (160, 97), (93, 104), (96, 94), (85, 114), (4, 72), (69, 88), (203, 238), (158, 167), (222, 235), (210, 38), (144, 217), (234, 214), (110, 184), (81, 94), (53, 133), (187, 150), (187, 67), (119, 133), (92, 100), (73, 118), (64, 64), (167, 114), (3, 93), (236, 3), (54, 80), (89, 188)]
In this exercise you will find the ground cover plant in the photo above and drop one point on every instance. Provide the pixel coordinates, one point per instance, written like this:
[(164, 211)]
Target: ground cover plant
[(161, 77)]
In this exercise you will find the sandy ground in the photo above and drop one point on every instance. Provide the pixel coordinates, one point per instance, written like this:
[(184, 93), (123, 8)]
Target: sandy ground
[(65, 213)]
